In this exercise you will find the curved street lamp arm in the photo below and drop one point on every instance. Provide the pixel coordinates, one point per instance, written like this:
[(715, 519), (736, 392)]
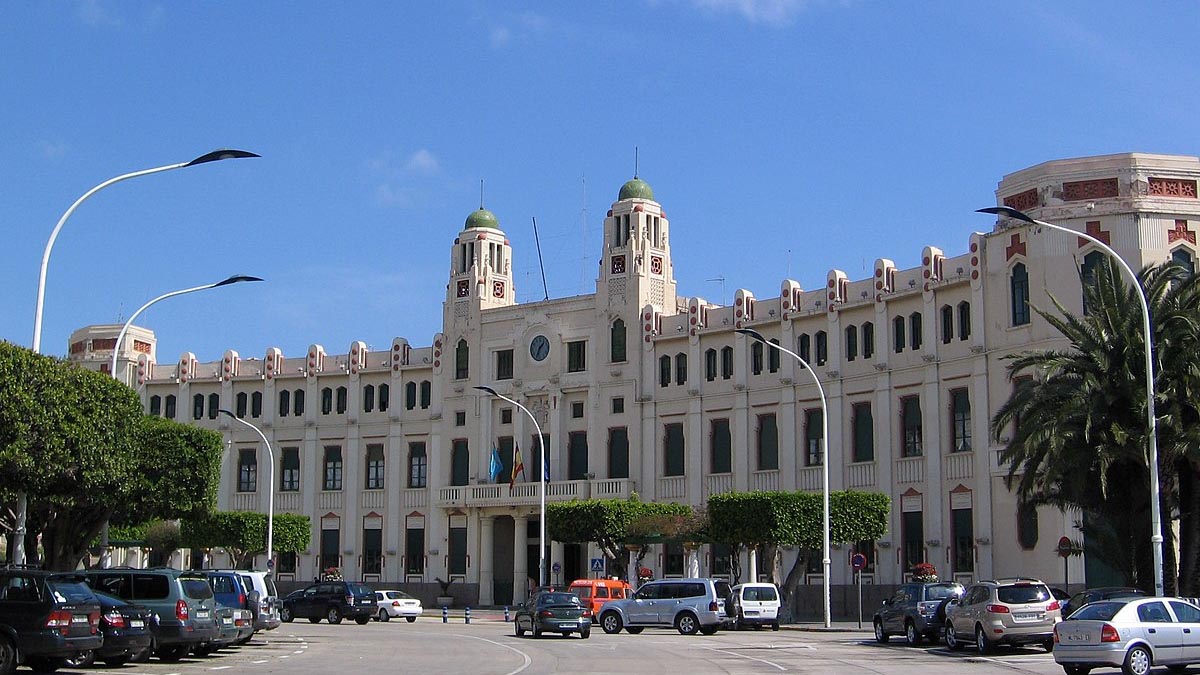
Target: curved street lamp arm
[(270, 485)]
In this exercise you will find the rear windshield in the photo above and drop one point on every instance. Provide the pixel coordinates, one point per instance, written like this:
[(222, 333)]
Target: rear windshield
[(942, 591), (270, 586), (360, 589), (724, 590), (70, 591), (154, 587), (398, 595), (558, 599), (1098, 611), (222, 584), (760, 593), (196, 589), (1019, 595)]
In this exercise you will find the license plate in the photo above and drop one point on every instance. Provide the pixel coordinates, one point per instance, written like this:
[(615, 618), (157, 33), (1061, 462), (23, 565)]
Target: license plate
[(568, 625), (136, 623), (201, 615), (79, 619), (227, 622), (1025, 616), (750, 612)]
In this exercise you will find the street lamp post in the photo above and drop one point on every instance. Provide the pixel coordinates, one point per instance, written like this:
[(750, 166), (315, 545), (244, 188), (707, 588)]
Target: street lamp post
[(112, 369), (825, 560), (1156, 538), (214, 156), (542, 581), (270, 488)]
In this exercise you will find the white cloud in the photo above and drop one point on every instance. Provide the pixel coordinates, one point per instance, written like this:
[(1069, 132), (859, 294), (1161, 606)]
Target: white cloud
[(501, 36), (771, 12), (404, 181), (423, 162), (54, 150), (94, 13)]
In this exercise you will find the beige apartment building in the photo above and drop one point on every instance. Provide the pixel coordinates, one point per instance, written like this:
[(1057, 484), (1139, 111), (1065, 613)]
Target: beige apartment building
[(638, 389)]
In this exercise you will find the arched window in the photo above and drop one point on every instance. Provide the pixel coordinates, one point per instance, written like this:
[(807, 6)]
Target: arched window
[(947, 324), (773, 357), (964, 320), (898, 340), (214, 406), (851, 342), (681, 368), (664, 370), (821, 347), (326, 401), (243, 402), (410, 395), (155, 405), (341, 400), (256, 404), (726, 363), (1019, 291), (804, 347), (914, 327), (285, 402), (462, 359), (617, 342), (1183, 258), (1027, 526), (169, 407), (385, 392), (426, 394), (298, 403), (868, 339), (1091, 263), (368, 398), (756, 358), (198, 407), (710, 364)]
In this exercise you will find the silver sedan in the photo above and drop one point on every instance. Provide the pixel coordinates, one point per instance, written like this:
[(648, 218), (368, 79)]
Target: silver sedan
[(1130, 634)]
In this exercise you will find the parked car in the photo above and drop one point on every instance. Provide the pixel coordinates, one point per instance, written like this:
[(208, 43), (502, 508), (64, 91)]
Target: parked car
[(127, 631), (332, 601), (235, 626), (555, 613), (597, 592), (266, 611), (235, 589), (754, 604), (1131, 633), (916, 610), (183, 601), (1016, 611), (45, 619), (690, 605), (1084, 598), (397, 604)]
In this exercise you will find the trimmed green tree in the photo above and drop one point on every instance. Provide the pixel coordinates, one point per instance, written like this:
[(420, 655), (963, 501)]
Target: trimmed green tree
[(244, 533), (608, 522)]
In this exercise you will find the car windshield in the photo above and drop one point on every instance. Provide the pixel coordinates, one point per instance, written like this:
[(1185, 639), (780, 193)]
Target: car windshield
[(1097, 611), (398, 595), (1022, 594), (558, 599), (359, 589), (196, 589), (942, 591), (70, 590), (760, 593)]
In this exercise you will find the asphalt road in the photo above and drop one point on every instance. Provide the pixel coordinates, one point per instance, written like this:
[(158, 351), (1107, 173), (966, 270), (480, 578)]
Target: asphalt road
[(491, 648)]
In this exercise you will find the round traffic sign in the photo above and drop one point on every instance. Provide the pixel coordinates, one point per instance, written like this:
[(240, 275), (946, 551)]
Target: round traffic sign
[(556, 568), (858, 561), (1065, 547)]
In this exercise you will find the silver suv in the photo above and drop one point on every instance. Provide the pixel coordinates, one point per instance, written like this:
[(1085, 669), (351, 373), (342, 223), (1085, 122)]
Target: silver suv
[(690, 605), (1003, 611)]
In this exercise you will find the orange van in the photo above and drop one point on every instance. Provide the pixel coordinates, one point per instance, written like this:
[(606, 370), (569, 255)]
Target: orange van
[(596, 592)]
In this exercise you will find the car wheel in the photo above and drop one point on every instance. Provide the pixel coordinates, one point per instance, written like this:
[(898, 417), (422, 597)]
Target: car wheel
[(1137, 661), (708, 630), (314, 619), (285, 615), (382, 615), (116, 661), (611, 623), (634, 630), (333, 616), (83, 659), (520, 631), (585, 634), (880, 634), (362, 620), (45, 664), (537, 632), (1076, 670), (952, 640), (171, 654), (8, 657), (775, 626), (983, 644), (410, 619), (687, 623), (911, 636), (140, 656), (1048, 644), (204, 650)]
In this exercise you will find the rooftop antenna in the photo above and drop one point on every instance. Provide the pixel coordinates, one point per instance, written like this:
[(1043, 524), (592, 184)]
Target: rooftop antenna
[(635, 161), (722, 280), (538, 241), (480, 194), (583, 226)]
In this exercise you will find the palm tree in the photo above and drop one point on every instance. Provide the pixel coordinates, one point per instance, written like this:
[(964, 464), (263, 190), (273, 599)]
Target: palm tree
[(1077, 429)]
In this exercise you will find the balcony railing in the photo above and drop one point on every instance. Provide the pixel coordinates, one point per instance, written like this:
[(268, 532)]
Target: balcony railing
[(910, 470), (764, 480), (287, 501), (330, 499), (528, 494), (715, 484), (809, 478), (672, 487), (245, 501), (860, 475), (372, 499), (959, 465)]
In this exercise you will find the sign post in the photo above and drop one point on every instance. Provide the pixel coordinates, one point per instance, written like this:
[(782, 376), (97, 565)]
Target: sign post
[(858, 561), (1065, 548)]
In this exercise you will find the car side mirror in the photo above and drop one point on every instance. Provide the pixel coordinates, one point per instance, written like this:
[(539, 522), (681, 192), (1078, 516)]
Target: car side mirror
[(952, 601)]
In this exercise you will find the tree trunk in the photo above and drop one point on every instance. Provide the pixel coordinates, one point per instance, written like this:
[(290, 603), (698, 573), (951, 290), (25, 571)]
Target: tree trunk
[(787, 590)]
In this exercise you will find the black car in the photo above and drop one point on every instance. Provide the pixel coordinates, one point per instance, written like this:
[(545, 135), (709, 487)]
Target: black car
[(332, 601), (127, 632), (1093, 594), (45, 618), (917, 611), (554, 613)]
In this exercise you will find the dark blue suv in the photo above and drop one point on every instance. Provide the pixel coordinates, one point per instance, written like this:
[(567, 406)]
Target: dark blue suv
[(45, 618)]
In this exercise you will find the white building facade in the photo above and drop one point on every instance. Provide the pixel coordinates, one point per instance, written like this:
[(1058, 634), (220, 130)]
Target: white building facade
[(640, 390)]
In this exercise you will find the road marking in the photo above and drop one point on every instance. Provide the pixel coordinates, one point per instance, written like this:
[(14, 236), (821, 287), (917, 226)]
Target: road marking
[(260, 661), (752, 658), (220, 667), (298, 651), (282, 656), (526, 664)]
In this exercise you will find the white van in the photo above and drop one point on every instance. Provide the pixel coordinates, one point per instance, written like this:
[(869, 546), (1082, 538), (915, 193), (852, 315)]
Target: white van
[(266, 611), (755, 604)]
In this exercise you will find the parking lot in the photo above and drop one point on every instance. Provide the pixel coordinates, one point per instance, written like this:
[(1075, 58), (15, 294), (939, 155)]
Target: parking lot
[(491, 648)]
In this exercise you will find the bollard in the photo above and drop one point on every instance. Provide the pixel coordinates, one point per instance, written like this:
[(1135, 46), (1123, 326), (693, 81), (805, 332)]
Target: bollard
[(468, 615), (445, 614), (506, 614)]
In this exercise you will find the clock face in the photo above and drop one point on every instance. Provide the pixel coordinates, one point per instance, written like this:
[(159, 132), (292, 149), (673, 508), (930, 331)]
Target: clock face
[(539, 348)]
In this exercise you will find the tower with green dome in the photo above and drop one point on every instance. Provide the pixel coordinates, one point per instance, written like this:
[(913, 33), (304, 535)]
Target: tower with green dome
[(480, 269)]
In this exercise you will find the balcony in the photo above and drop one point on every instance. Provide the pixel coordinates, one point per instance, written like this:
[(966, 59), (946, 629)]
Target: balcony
[(529, 494), (767, 481), (245, 501), (287, 501), (861, 475), (717, 483), (672, 487), (910, 470), (810, 478), (959, 465)]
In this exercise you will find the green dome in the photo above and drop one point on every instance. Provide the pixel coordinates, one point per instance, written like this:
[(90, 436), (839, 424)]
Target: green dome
[(636, 189), (482, 218)]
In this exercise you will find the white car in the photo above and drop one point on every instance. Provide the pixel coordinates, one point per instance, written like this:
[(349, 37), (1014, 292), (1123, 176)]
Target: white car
[(755, 604), (397, 604), (1133, 634)]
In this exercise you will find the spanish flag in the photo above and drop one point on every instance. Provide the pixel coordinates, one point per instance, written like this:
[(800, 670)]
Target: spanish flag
[(518, 466)]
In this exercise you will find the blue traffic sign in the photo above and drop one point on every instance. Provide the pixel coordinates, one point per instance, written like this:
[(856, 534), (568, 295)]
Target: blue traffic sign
[(597, 564)]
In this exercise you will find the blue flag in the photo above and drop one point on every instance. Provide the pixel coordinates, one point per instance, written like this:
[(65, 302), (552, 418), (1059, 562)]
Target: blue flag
[(495, 466)]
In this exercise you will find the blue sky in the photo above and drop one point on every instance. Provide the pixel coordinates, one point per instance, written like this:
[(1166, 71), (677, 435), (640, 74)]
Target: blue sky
[(784, 138)]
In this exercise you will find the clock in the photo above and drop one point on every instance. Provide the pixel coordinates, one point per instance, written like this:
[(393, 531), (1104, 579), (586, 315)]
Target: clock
[(539, 348)]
